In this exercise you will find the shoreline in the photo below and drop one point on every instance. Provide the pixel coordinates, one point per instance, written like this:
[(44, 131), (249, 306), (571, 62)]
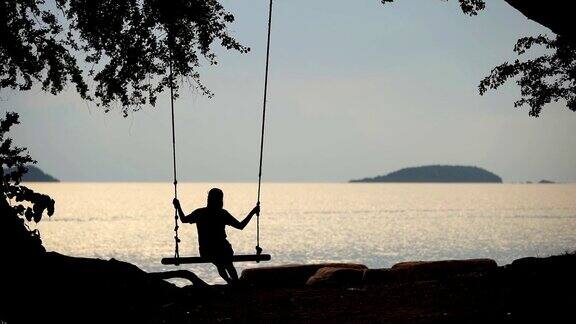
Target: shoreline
[(448, 291)]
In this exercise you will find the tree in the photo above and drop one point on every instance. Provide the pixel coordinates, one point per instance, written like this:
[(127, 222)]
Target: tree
[(126, 47), (18, 203), (546, 78)]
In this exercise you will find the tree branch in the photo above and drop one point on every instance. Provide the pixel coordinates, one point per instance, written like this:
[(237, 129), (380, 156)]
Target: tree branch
[(183, 274)]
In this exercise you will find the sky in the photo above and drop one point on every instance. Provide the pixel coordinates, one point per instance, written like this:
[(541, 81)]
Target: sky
[(356, 89)]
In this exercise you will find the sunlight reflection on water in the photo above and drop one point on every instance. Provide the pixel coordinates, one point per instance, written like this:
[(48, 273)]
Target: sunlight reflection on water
[(374, 224)]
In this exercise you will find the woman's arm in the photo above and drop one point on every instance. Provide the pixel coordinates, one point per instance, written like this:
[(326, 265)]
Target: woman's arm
[(240, 225), (183, 217)]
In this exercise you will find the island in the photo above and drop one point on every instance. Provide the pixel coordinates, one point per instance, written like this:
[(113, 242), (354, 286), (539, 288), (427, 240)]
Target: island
[(35, 174), (437, 173), (546, 181)]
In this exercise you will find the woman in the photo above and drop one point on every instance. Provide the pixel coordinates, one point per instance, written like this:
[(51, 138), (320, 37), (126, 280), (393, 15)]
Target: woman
[(211, 222)]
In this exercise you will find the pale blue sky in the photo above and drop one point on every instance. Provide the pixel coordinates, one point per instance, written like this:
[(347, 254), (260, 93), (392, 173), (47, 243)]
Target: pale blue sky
[(356, 89)]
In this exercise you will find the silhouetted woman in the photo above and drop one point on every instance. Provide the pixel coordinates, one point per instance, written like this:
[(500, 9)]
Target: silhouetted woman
[(210, 223)]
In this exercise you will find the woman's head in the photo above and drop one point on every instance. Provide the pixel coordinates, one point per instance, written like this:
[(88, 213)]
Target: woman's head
[(215, 198)]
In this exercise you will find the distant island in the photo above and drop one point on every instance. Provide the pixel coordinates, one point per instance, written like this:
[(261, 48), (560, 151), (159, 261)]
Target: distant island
[(546, 181), (35, 174), (437, 173)]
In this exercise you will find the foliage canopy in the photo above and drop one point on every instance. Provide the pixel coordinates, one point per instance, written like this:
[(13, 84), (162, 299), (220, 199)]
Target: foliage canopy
[(18, 202), (546, 78), (125, 47)]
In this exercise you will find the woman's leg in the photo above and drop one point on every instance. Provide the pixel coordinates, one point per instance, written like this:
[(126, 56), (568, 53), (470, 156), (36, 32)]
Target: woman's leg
[(222, 272), (232, 271), (227, 255)]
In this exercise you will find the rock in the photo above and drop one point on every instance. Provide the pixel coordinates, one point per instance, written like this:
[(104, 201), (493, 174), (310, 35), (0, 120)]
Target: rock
[(289, 275), (332, 276), (552, 263), (527, 262), (539, 286), (377, 276), (433, 270)]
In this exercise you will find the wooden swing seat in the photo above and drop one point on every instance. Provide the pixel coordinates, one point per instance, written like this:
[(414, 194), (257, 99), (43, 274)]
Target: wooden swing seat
[(235, 258)]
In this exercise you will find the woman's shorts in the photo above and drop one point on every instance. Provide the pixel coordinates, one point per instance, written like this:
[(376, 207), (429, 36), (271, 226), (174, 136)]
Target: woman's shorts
[(218, 253)]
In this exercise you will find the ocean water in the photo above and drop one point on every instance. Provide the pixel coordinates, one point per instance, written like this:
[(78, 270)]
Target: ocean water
[(374, 224)]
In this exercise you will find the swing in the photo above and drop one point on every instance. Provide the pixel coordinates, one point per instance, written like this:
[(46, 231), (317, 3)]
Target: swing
[(177, 260)]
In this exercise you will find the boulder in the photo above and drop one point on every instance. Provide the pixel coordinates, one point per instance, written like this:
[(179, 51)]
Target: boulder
[(544, 267), (332, 276), (289, 275), (377, 276), (565, 260), (434, 270)]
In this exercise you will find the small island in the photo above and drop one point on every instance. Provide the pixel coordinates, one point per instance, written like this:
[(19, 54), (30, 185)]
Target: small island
[(438, 173), (546, 182), (35, 174)]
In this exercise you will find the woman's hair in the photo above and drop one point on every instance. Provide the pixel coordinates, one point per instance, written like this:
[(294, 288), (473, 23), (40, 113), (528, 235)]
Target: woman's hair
[(215, 197)]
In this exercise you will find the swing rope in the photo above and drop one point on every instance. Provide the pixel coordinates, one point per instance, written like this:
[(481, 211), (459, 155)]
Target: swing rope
[(176, 226), (258, 248)]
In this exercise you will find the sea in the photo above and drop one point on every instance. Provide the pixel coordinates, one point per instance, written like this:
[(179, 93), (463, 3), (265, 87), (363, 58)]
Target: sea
[(376, 224)]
